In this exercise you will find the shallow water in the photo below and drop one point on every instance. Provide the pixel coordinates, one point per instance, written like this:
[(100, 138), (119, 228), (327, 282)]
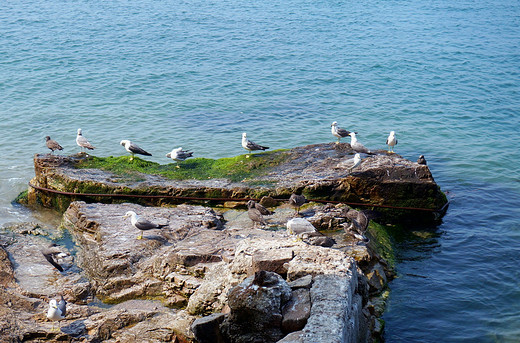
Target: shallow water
[(196, 74)]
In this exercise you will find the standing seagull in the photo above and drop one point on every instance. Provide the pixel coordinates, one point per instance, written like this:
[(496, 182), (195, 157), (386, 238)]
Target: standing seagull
[(338, 132), (142, 224), (421, 160), (133, 149), (83, 142), (357, 161), (357, 146), (255, 215), (251, 146), (391, 141), (179, 154), (297, 201), (52, 144), (57, 311)]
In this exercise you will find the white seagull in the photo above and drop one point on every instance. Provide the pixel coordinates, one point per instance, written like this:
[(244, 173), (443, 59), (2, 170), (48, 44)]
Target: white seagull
[(357, 146), (357, 161), (141, 223), (251, 146), (179, 154), (57, 311), (391, 141), (133, 148), (83, 142), (338, 132)]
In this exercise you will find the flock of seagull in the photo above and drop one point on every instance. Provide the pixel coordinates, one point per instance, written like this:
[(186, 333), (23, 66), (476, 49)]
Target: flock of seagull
[(178, 154), (256, 211)]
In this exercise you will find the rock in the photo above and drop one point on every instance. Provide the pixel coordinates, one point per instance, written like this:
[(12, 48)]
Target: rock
[(207, 329), (6, 270), (298, 226), (268, 201), (382, 179), (376, 278), (303, 282), (211, 296), (272, 260), (121, 267), (336, 311), (296, 311), (293, 337), (256, 309)]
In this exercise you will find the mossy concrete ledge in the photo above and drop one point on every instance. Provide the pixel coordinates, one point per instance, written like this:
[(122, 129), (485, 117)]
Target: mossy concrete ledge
[(320, 171)]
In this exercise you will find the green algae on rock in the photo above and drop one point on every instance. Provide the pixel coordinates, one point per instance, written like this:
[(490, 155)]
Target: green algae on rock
[(238, 168)]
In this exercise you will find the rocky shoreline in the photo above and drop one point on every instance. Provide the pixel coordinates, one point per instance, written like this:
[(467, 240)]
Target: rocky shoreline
[(210, 275)]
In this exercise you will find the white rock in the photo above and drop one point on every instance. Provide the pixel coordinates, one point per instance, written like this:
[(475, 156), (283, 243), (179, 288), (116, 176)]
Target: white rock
[(296, 226)]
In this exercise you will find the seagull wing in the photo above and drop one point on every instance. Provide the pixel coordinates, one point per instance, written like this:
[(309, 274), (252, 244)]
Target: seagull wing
[(261, 208), (62, 306), (53, 145), (49, 256), (144, 224), (342, 132), (83, 142), (253, 146), (137, 150)]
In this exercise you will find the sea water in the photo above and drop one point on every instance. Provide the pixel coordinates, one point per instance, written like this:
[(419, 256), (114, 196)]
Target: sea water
[(445, 75)]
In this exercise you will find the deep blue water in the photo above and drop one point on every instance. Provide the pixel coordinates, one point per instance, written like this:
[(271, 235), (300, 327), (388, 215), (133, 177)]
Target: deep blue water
[(444, 75)]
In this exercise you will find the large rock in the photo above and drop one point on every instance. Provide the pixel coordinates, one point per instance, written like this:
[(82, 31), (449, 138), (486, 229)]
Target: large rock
[(318, 171), (256, 309), (122, 267)]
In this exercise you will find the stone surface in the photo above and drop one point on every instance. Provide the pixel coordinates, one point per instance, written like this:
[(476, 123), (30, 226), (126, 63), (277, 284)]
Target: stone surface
[(314, 170), (196, 261), (207, 329), (293, 337), (296, 311), (303, 282)]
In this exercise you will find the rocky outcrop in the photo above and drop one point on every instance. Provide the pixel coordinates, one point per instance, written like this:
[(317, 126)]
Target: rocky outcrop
[(320, 171), (198, 263)]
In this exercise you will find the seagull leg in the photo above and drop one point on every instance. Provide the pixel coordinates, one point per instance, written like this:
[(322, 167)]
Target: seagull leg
[(140, 236)]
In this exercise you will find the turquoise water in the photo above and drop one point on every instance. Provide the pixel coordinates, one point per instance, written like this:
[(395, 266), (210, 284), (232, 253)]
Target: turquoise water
[(444, 75)]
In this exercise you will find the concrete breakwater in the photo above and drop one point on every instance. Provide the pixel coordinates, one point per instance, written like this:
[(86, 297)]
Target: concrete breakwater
[(209, 275)]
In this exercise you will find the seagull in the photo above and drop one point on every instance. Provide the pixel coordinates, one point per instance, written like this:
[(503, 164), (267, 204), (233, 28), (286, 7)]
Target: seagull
[(251, 146), (338, 132), (357, 161), (51, 252), (57, 311), (259, 207), (297, 201), (357, 146), (141, 223), (179, 154), (421, 160), (391, 141), (83, 142), (255, 215), (52, 144), (133, 148)]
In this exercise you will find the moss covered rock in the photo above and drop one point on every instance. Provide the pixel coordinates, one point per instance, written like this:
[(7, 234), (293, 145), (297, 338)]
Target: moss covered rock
[(320, 172)]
